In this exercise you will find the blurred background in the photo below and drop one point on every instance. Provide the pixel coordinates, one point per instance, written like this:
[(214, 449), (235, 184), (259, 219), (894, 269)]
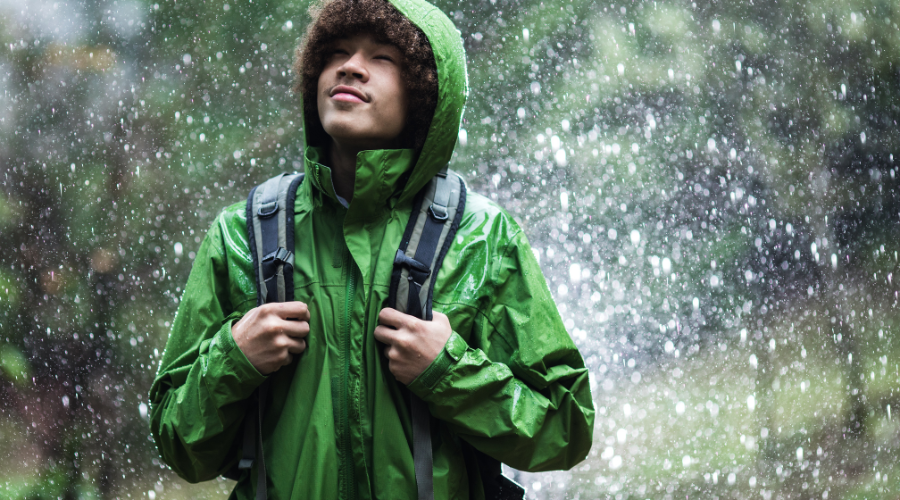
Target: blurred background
[(710, 187)]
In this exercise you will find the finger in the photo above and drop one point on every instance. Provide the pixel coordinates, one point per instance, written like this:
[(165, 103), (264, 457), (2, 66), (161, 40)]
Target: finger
[(440, 318), (296, 346), (385, 334), (393, 318), (296, 329), (287, 360), (290, 310)]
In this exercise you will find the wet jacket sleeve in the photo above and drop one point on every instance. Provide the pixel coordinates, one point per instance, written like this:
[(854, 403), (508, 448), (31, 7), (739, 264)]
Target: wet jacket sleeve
[(527, 401), (199, 397)]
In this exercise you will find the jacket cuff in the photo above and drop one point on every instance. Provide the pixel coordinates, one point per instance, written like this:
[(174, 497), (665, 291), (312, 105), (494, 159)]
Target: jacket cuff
[(453, 350), (236, 370)]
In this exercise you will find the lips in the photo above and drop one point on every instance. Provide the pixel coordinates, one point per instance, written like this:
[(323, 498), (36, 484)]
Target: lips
[(347, 93)]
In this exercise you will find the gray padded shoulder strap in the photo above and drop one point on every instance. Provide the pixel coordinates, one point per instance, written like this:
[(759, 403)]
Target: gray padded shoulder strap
[(270, 214), (435, 218), (429, 233), (270, 234)]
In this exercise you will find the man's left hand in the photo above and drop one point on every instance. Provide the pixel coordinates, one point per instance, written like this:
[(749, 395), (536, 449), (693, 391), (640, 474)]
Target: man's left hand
[(412, 343)]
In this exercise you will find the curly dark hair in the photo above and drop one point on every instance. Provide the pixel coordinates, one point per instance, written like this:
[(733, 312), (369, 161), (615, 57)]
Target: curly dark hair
[(336, 19)]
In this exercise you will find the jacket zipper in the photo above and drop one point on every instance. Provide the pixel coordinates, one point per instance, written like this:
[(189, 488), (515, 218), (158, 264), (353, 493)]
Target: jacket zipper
[(346, 452)]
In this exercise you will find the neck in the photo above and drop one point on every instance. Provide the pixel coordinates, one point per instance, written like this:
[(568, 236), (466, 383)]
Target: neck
[(342, 161)]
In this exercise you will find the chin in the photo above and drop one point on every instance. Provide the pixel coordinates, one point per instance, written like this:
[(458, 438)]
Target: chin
[(356, 135)]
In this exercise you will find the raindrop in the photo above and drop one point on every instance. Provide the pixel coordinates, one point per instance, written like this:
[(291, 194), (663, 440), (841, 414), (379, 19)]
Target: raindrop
[(575, 272), (560, 157)]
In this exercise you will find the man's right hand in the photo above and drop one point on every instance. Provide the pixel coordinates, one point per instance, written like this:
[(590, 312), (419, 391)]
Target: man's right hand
[(269, 335)]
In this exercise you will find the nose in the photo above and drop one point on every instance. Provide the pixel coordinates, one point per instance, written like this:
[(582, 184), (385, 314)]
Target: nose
[(355, 67)]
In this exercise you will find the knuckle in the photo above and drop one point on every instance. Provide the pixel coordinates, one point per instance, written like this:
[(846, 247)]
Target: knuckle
[(272, 324)]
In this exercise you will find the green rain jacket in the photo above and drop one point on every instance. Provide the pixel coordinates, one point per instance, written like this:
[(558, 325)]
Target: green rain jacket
[(509, 382)]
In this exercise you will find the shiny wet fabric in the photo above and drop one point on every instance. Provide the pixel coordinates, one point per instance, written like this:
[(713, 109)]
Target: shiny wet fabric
[(509, 382)]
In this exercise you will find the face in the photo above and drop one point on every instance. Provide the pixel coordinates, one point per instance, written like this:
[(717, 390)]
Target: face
[(361, 96)]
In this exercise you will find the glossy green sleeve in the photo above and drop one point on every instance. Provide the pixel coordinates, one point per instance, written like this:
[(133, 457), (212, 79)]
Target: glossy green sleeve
[(199, 396), (532, 409)]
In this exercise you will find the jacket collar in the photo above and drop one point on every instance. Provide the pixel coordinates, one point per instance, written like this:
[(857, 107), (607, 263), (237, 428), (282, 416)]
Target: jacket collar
[(380, 177)]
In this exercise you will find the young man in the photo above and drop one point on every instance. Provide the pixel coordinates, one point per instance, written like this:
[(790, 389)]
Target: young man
[(383, 87)]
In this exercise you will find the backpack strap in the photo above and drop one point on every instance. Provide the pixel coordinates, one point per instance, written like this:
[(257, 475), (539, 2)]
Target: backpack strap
[(270, 228), (431, 229), (436, 215), (270, 234)]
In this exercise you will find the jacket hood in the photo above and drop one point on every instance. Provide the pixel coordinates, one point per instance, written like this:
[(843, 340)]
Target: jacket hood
[(379, 173)]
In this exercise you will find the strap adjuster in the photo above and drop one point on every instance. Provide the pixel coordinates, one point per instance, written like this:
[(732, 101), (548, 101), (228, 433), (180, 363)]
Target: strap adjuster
[(438, 213), (402, 260), (280, 256), (265, 211)]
